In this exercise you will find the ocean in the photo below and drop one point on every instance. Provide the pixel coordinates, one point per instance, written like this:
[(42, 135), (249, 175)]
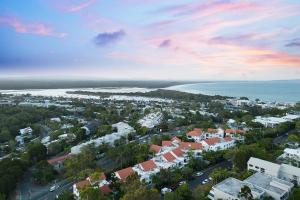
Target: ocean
[(279, 91)]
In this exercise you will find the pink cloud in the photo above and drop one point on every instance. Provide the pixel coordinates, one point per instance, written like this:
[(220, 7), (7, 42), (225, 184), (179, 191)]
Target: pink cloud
[(277, 59), (210, 8), (35, 28), (72, 6)]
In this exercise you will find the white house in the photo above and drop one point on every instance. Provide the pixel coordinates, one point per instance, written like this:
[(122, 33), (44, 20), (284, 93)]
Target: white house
[(26, 131), (291, 154), (261, 185), (146, 169), (283, 171), (274, 187), (196, 135), (230, 188), (216, 144)]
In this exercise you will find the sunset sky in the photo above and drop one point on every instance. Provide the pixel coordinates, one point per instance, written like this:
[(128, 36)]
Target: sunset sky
[(150, 39)]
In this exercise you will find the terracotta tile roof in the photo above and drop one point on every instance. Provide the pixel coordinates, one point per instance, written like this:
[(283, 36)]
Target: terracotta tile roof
[(195, 132), (212, 141), (148, 165), (176, 139), (105, 189), (177, 152), (55, 160), (190, 145), (227, 139), (167, 143), (169, 157), (155, 148), (212, 130), (82, 184), (124, 173)]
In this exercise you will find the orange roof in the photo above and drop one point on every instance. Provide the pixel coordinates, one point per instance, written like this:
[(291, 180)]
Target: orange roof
[(227, 139), (177, 152), (176, 139), (195, 132), (212, 141), (155, 148), (169, 157), (212, 130), (148, 165), (105, 189), (124, 173), (166, 143), (55, 160), (191, 145), (82, 184)]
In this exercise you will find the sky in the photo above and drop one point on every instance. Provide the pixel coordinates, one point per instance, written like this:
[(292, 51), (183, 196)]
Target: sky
[(150, 39)]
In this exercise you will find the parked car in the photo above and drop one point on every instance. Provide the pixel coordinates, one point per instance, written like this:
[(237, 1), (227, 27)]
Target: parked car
[(205, 181), (182, 182), (165, 190), (199, 173)]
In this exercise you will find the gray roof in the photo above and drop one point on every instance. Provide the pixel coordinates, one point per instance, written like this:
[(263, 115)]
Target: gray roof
[(263, 181), (233, 186)]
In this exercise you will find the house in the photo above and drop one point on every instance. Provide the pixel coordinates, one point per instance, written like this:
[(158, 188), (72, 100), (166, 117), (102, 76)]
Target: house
[(91, 127), (271, 122), (100, 179), (283, 171), (167, 143), (261, 185), (194, 147), (123, 129), (211, 133), (216, 144), (230, 188), (291, 154), (124, 173), (96, 182), (148, 165), (195, 134), (175, 140), (231, 123), (168, 157), (146, 169), (77, 187), (57, 162), (273, 187), (25, 131), (235, 134), (156, 148)]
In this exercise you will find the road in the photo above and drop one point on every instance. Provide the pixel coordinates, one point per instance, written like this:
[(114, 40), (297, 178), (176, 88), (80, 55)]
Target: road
[(198, 180), (282, 138), (28, 190)]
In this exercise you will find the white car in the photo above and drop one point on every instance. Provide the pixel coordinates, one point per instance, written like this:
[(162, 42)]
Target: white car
[(165, 190), (182, 182), (205, 181), (53, 187), (199, 173)]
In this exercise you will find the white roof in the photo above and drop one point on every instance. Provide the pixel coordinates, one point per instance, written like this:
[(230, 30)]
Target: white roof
[(289, 169), (292, 151), (263, 163)]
